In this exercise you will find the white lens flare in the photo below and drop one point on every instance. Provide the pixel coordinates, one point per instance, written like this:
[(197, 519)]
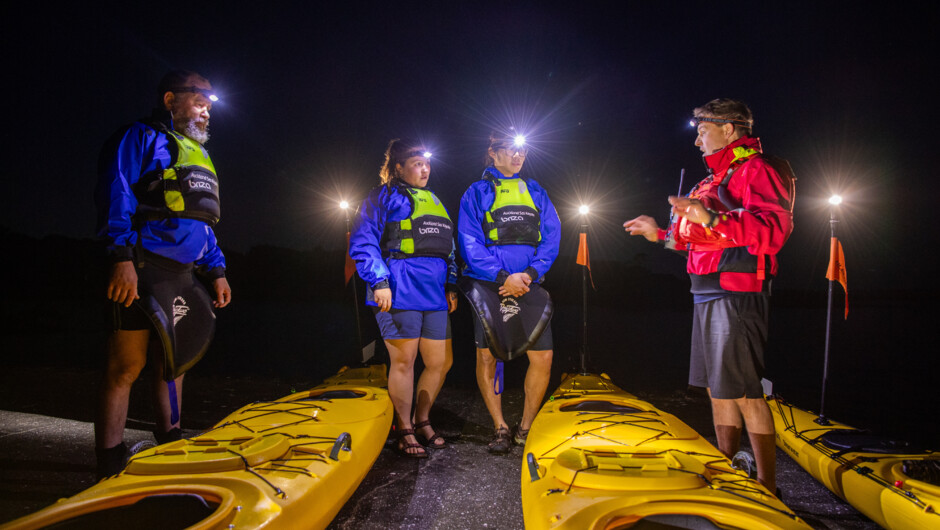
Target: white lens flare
[(427, 154), (519, 140), (835, 200), (213, 98), (343, 204), (584, 209)]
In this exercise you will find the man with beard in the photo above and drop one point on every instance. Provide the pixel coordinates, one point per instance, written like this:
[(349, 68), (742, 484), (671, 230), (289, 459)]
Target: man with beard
[(732, 224), (157, 199)]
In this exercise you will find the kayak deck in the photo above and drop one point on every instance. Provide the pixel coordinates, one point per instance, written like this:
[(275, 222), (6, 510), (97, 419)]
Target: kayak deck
[(864, 470), (288, 463), (599, 457)]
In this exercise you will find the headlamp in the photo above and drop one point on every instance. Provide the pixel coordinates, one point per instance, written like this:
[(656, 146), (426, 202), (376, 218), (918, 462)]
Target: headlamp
[(418, 152), (695, 121), (513, 147), (196, 90)]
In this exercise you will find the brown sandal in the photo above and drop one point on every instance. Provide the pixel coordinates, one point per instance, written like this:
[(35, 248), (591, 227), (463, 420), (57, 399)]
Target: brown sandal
[(432, 441), (409, 449), (502, 443)]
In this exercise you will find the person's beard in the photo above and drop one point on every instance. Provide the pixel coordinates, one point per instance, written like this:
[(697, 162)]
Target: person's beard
[(192, 130)]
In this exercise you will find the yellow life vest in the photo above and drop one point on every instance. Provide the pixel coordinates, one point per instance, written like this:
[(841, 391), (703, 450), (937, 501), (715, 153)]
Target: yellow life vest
[(427, 231), (513, 219), (189, 188)]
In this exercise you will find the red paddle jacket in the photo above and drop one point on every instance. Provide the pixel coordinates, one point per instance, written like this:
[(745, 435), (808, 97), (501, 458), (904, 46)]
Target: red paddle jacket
[(755, 205)]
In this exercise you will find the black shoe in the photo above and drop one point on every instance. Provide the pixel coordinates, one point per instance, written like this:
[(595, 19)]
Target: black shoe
[(171, 435), (111, 461), (744, 461)]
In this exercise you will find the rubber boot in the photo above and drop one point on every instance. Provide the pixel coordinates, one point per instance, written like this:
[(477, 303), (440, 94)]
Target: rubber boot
[(729, 439), (765, 453), (172, 435), (110, 461)]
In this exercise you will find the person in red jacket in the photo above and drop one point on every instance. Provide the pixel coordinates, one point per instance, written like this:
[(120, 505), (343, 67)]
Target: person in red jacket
[(732, 225)]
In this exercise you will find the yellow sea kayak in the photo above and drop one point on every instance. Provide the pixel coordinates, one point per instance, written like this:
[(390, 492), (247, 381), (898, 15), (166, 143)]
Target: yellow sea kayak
[(598, 457), (290, 463), (871, 473)]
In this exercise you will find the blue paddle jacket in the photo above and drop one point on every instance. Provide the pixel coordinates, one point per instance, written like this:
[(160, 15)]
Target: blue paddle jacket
[(497, 262), (418, 283), (129, 155)]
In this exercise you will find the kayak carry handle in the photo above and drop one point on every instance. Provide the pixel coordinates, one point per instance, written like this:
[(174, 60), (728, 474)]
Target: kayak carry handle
[(343, 442), (533, 467)]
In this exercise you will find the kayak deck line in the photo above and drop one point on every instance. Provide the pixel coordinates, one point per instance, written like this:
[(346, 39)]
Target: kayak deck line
[(287, 463), (599, 457), (855, 464), (880, 474)]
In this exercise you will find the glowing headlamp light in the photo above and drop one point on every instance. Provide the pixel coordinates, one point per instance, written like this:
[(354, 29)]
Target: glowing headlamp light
[(518, 140), (419, 152), (196, 90), (695, 121)]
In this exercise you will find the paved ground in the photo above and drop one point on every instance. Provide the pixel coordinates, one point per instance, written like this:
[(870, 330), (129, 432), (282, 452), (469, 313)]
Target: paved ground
[(47, 454)]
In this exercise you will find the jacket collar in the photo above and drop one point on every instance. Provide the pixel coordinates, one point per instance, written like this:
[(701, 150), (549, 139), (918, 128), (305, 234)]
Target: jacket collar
[(497, 174), (744, 147)]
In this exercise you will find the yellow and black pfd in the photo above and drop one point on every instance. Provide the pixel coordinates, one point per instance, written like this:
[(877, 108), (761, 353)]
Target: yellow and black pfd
[(513, 219), (188, 188), (428, 231)]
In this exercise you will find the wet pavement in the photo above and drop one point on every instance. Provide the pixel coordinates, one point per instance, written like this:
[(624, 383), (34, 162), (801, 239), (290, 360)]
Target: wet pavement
[(46, 441)]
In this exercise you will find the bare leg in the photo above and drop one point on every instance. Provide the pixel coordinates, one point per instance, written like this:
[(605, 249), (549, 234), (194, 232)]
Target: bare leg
[(760, 428), (402, 353), (127, 355), (728, 422), (760, 432), (486, 372), (536, 382), (438, 356)]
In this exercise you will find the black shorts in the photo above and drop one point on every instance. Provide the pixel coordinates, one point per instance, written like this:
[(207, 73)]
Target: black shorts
[(729, 335)]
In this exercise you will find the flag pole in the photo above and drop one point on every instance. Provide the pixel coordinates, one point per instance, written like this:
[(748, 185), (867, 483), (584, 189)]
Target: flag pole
[(584, 260), (584, 306), (822, 420)]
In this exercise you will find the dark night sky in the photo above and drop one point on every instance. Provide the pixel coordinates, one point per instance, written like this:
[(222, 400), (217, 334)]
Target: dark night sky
[(311, 96)]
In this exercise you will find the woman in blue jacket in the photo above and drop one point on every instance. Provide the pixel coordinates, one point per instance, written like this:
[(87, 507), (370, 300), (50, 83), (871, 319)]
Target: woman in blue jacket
[(510, 238), (404, 251)]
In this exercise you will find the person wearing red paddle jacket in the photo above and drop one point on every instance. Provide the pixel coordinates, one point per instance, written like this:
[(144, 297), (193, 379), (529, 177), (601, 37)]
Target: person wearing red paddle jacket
[(731, 225)]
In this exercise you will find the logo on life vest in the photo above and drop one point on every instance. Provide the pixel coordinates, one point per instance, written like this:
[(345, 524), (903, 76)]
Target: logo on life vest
[(200, 185), (509, 218), (431, 230), (180, 309), (508, 307)]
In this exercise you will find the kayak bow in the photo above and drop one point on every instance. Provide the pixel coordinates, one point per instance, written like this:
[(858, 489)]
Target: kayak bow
[(289, 463)]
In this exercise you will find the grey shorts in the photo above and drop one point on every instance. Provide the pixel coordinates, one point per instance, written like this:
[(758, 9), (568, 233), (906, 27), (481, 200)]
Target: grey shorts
[(728, 339), (411, 324)]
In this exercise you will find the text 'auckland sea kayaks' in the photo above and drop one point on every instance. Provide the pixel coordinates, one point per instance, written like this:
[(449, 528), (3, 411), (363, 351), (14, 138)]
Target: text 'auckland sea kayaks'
[(598, 458), (892, 482), (290, 463)]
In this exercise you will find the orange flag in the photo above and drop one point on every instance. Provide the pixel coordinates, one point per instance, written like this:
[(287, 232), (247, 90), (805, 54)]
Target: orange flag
[(350, 267), (836, 272), (584, 258)]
